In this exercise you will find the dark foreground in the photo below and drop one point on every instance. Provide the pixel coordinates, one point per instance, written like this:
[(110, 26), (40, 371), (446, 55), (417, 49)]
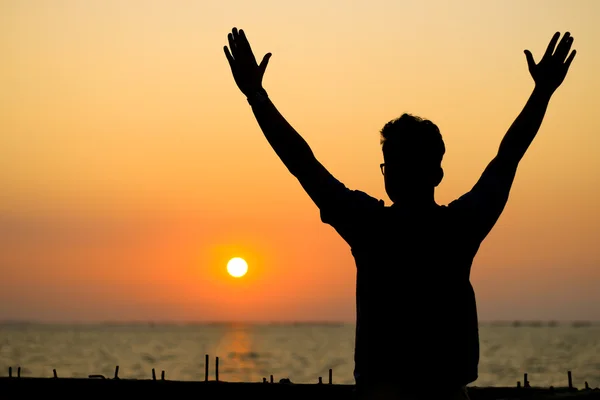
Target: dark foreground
[(120, 388)]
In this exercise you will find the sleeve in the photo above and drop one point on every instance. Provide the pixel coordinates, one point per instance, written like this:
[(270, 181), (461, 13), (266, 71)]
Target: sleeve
[(350, 213), (479, 209)]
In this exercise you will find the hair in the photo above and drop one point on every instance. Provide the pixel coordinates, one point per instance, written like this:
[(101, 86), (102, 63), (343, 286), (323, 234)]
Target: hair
[(413, 132)]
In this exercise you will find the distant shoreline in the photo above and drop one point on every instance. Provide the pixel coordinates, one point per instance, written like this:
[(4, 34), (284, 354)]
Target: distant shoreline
[(515, 323)]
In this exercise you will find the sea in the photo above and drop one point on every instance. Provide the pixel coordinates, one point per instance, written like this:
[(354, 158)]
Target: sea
[(300, 352)]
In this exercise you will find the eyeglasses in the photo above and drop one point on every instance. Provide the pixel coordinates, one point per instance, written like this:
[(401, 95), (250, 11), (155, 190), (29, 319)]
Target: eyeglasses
[(382, 166)]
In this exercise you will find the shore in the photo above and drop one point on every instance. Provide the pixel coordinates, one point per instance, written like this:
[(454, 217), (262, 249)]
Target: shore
[(100, 386)]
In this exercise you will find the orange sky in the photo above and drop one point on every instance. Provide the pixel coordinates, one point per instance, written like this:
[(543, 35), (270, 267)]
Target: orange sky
[(131, 168)]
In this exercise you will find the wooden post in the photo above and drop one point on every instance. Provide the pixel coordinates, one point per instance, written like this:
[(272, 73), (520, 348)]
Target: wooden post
[(217, 369), (330, 376), (153, 374), (54, 372), (570, 379), (10, 372), (162, 375), (206, 368), (117, 372)]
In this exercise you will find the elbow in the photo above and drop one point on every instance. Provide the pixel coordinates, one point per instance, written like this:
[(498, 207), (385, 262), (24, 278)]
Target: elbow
[(301, 167), (508, 159), (509, 155), (504, 164), (299, 163)]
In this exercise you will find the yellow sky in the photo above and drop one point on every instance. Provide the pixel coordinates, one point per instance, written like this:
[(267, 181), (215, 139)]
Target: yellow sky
[(131, 168)]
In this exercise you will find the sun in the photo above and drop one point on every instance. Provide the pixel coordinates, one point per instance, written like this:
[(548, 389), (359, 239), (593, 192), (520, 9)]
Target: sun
[(237, 267)]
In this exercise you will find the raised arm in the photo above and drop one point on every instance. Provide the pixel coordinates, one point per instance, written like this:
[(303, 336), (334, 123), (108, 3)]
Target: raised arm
[(490, 194), (548, 75), (291, 148)]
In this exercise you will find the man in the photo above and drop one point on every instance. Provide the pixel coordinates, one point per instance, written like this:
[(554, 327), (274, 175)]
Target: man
[(416, 327)]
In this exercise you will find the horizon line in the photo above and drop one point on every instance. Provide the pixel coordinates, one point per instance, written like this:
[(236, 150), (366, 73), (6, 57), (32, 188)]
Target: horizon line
[(514, 322)]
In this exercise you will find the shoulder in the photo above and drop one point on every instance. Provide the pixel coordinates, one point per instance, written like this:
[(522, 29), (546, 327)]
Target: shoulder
[(473, 215), (363, 199), (352, 207), (355, 202)]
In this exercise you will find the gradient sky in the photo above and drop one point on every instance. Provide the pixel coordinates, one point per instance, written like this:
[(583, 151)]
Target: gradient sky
[(131, 167)]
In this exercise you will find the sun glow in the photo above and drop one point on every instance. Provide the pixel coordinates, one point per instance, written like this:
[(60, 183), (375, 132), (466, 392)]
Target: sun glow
[(237, 267)]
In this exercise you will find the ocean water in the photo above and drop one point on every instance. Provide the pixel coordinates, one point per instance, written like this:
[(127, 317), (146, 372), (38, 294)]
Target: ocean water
[(300, 352)]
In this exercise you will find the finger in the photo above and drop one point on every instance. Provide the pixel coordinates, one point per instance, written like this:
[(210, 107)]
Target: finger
[(229, 56), (570, 59), (551, 45), (232, 45), (263, 64), (530, 61), (235, 37), (245, 46), (562, 50)]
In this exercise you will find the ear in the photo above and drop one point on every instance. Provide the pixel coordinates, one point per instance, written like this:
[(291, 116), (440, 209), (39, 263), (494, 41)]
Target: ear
[(439, 175)]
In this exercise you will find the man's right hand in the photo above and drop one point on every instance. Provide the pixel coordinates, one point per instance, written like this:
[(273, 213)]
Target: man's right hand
[(247, 73)]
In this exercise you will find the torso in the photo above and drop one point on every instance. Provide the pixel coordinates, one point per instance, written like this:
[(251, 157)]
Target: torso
[(415, 304)]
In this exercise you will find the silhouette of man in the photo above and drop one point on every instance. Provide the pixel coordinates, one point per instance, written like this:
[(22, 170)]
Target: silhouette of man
[(416, 323)]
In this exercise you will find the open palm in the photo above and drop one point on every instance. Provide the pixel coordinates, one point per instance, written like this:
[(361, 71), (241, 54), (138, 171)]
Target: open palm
[(246, 72), (550, 72)]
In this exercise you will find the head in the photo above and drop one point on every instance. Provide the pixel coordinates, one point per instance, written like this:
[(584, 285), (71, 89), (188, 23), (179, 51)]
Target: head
[(413, 149)]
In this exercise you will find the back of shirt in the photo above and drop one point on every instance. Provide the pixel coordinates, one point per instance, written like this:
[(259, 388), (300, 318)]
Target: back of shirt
[(416, 312)]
